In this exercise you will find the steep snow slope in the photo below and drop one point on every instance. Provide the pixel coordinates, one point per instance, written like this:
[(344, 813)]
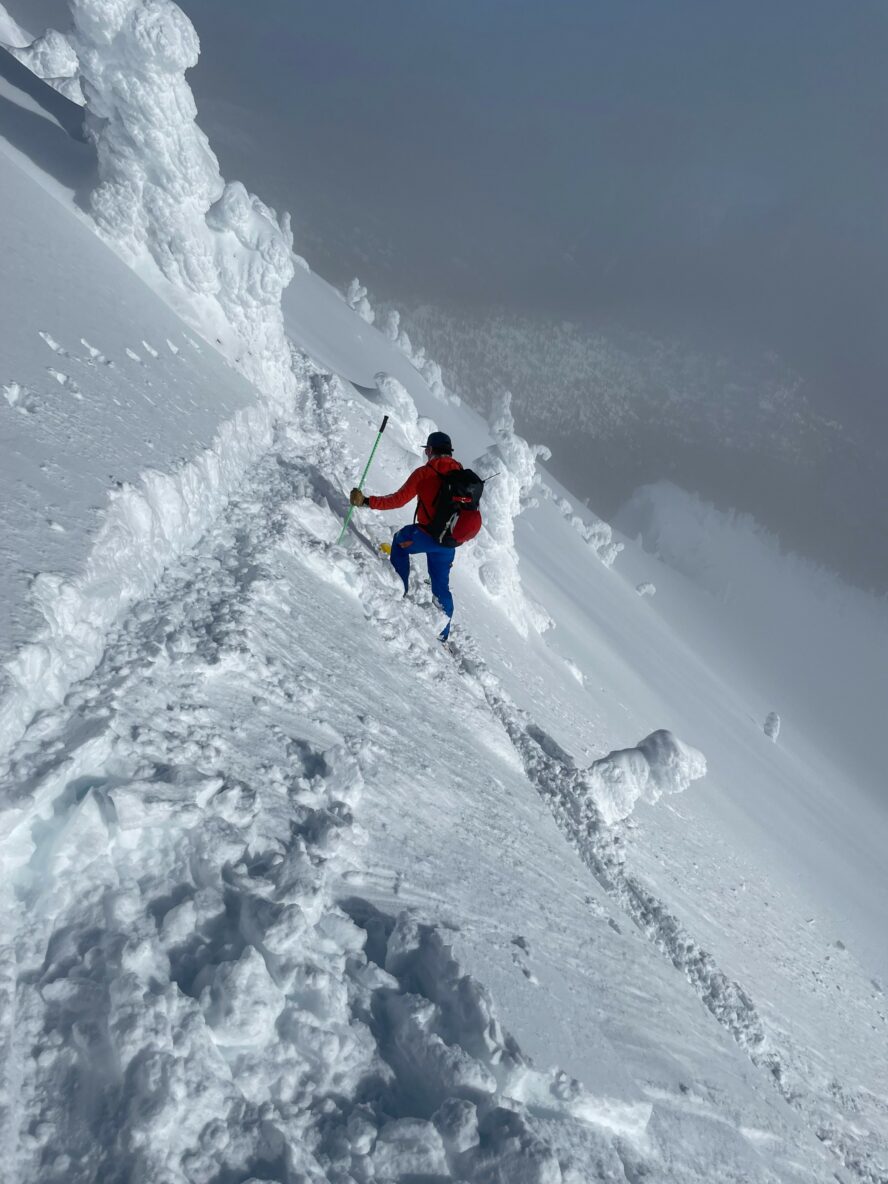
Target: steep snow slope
[(281, 872), (197, 812)]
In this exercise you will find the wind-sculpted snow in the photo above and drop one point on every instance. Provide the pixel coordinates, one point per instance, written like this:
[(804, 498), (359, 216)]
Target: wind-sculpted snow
[(52, 58), (509, 469), (160, 191), (659, 764)]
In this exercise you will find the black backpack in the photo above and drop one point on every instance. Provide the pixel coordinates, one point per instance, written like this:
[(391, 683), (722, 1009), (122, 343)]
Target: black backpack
[(456, 517)]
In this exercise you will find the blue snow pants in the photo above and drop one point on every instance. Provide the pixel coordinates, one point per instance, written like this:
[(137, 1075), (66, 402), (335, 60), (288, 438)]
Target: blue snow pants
[(413, 540)]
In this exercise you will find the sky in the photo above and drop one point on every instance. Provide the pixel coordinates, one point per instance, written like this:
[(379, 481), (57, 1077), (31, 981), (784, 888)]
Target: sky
[(712, 171)]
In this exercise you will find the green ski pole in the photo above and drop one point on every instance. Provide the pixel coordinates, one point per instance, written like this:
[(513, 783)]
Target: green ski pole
[(351, 509)]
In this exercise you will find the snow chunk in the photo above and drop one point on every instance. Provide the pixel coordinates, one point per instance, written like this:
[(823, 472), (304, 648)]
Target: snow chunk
[(409, 1147), (659, 764), (646, 589), (241, 1002), (772, 726), (52, 57)]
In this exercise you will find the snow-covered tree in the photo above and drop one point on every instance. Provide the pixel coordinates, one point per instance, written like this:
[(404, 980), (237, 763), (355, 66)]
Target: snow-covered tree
[(391, 324), (254, 260), (356, 298), (158, 175), (509, 467), (160, 191)]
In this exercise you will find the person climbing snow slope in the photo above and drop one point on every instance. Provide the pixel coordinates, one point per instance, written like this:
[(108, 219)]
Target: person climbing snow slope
[(446, 515)]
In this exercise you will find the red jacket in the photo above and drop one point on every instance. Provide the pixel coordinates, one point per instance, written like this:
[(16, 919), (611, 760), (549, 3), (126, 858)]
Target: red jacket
[(422, 484)]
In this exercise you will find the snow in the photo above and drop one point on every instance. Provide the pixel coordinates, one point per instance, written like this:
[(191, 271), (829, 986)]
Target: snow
[(294, 893), (11, 32), (114, 467), (772, 726), (160, 195)]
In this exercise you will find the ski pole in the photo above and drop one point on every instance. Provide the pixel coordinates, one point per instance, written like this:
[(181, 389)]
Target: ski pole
[(351, 509)]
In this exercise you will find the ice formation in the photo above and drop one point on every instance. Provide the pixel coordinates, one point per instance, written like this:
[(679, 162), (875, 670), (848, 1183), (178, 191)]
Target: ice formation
[(160, 191), (509, 468), (659, 764)]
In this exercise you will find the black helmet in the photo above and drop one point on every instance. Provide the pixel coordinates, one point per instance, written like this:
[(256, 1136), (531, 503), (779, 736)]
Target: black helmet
[(440, 442)]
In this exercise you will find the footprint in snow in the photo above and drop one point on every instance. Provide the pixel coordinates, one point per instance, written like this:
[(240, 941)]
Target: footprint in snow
[(131, 353), (66, 381), (20, 398), (172, 347), (95, 355), (149, 349), (519, 956), (53, 344)]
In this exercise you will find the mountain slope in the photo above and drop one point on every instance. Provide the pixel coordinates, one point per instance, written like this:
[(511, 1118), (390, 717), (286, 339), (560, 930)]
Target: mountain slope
[(293, 894)]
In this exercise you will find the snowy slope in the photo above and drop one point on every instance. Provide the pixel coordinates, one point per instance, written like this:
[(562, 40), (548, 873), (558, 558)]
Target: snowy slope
[(294, 894), (111, 413)]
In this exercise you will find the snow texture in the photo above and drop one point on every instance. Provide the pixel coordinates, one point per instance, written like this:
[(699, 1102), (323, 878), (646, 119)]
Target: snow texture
[(171, 438), (52, 58)]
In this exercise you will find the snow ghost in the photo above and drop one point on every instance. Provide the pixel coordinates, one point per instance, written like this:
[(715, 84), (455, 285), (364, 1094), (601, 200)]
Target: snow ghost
[(509, 467)]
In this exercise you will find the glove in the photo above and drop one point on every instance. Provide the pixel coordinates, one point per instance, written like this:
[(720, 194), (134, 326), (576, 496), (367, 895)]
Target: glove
[(357, 498)]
